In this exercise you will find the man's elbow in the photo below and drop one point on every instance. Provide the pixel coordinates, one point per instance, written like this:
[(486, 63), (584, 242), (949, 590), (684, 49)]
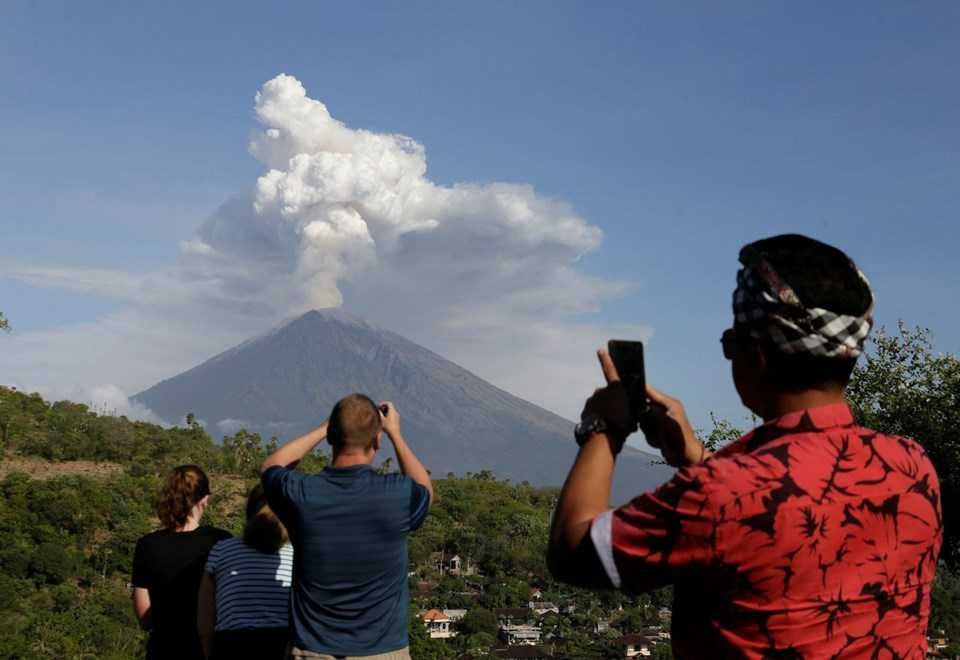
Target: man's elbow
[(558, 562), (573, 560), (267, 464)]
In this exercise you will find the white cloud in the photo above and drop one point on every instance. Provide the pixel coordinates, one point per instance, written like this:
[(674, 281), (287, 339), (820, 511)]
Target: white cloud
[(104, 399), (111, 400), (230, 426), (484, 273)]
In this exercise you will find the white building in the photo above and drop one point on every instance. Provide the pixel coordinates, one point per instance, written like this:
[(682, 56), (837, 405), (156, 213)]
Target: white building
[(521, 635), (455, 615), (542, 607), (438, 624)]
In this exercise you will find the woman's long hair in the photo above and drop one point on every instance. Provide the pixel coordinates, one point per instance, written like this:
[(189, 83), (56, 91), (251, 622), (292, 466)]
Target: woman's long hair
[(184, 487), (263, 531)]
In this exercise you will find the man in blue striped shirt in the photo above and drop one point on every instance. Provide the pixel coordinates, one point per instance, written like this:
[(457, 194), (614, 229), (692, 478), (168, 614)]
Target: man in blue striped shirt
[(349, 528)]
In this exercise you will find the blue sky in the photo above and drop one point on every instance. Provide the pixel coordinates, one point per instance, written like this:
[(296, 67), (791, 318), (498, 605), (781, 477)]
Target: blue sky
[(681, 132)]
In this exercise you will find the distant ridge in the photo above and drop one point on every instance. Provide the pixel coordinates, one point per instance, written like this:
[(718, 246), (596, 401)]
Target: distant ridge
[(286, 380)]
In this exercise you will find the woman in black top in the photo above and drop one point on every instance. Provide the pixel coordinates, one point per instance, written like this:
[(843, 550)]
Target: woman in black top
[(168, 566)]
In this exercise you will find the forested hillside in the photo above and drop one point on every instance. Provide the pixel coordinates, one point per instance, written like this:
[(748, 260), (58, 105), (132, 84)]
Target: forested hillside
[(68, 538), (77, 490)]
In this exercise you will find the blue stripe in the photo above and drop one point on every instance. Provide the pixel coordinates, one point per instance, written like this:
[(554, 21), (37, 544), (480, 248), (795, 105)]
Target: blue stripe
[(250, 585)]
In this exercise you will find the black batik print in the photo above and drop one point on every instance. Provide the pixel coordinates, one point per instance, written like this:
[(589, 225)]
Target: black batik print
[(810, 537)]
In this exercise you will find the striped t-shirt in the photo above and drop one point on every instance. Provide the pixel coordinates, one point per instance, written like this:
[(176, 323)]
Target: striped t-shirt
[(253, 587)]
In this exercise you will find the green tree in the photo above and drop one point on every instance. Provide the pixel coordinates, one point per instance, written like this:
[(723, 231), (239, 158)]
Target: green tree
[(479, 644), (661, 651), (945, 604), (4, 324), (635, 618), (53, 562), (422, 646), (905, 388), (478, 620), (722, 433)]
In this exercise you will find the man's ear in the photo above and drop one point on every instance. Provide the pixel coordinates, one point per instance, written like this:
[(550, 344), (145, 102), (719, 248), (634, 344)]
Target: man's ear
[(760, 360)]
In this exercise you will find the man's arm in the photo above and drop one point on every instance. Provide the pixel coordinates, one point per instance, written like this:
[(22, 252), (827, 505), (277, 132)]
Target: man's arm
[(293, 452), (410, 465), (571, 556), (585, 495)]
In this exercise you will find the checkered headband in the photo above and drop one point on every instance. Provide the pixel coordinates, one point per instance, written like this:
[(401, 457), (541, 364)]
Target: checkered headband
[(772, 311)]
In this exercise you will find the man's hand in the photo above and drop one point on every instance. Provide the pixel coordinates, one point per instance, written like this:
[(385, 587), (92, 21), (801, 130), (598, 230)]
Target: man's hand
[(611, 404), (391, 419), (409, 464), (667, 428)]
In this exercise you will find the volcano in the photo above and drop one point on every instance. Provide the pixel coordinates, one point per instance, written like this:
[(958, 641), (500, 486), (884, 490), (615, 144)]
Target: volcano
[(284, 382)]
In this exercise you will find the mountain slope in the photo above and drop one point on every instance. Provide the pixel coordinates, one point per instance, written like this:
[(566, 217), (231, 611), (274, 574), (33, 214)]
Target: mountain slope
[(286, 381)]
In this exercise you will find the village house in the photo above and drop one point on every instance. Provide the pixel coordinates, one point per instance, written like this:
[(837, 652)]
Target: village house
[(438, 624), (543, 607), (520, 635), (655, 632), (455, 615), (937, 645), (636, 645), (455, 565), (510, 616)]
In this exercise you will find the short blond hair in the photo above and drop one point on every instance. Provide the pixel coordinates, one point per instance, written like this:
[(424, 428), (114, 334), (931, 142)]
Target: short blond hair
[(354, 422)]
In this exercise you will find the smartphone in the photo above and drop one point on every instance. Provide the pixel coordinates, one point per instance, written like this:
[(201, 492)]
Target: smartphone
[(627, 357)]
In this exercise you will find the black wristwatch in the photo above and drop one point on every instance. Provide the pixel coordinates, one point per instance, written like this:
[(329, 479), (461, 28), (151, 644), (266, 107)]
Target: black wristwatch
[(587, 427)]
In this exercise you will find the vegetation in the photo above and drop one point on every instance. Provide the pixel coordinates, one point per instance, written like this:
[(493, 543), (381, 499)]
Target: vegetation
[(68, 540), (905, 388), (4, 323)]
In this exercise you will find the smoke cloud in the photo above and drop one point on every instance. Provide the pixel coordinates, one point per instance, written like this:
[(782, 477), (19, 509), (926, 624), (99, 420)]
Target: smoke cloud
[(485, 274)]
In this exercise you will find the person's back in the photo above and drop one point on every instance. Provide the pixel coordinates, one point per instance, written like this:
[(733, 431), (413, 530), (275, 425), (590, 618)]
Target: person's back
[(244, 601), (349, 528), (810, 536), (817, 536), (168, 567), (350, 525)]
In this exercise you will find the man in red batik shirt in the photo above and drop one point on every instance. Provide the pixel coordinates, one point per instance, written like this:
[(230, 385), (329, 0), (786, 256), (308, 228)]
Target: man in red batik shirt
[(809, 537)]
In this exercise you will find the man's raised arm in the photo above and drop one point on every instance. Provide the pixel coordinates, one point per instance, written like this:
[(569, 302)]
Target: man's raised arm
[(586, 492), (605, 423), (293, 452), (410, 465)]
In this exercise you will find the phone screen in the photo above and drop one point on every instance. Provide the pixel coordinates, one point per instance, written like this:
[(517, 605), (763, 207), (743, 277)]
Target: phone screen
[(627, 357)]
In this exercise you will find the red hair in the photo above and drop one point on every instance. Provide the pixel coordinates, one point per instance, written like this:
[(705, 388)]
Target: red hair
[(184, 487)]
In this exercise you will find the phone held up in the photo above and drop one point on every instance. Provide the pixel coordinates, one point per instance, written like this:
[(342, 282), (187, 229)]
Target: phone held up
[(627, 357)]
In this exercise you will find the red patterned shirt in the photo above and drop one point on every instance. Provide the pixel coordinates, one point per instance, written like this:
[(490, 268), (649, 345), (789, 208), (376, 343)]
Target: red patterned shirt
[(810, 537)]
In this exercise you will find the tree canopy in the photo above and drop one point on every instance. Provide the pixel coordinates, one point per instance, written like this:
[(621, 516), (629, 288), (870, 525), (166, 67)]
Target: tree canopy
[(904, 387), (68, 540)]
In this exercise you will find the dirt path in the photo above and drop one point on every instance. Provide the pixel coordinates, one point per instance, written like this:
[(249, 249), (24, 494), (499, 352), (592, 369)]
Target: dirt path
[(230, 490), (41, 468)]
